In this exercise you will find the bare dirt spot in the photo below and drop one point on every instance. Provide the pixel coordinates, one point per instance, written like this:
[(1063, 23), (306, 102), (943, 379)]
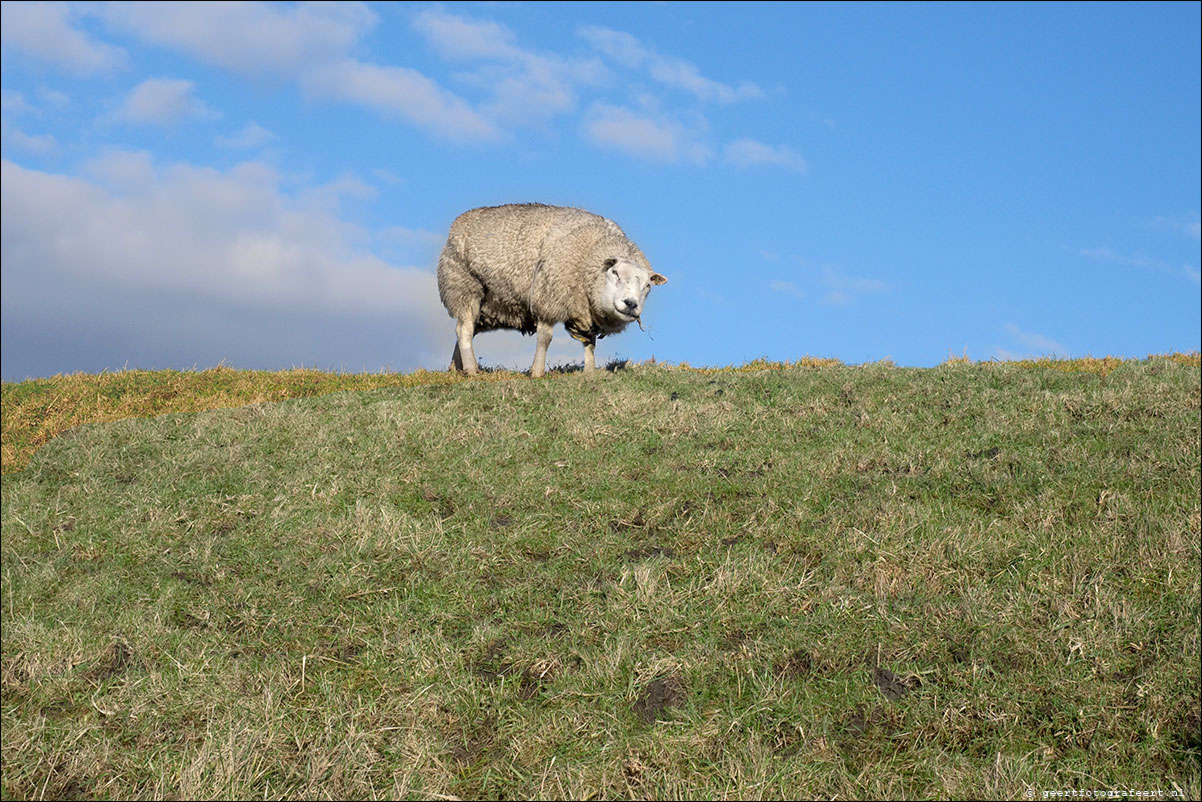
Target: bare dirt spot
[(856, 724), (444, 507), (860, 725), (344, 652), (537, 555), (117, 661), (554, 629), (191, 578), (637, 522), (860, 735), (796, 666), (1188, 733), (893, 686), (735, 638), (474, 743), (492, 666), (73, 790), (638, 555), (658, 697)]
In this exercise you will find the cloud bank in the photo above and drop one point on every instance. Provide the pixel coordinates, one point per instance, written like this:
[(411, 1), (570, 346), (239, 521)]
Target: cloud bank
[(145, 267)]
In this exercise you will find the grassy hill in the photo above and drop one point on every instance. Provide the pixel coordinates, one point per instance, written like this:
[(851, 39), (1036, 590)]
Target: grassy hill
[(807, 580)]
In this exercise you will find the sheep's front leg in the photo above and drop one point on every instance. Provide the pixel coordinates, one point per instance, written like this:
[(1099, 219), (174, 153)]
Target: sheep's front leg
[(590, 360), (543, 336), (464, 358)]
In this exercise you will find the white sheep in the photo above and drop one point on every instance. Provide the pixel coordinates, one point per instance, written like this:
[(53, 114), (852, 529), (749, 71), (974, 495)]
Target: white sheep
[(528, 266)]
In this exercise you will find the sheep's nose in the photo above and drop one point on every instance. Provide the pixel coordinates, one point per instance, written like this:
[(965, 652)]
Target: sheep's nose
[(631, 304)]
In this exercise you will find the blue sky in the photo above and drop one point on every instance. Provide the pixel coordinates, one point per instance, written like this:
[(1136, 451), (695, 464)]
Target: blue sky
[(268, 185)]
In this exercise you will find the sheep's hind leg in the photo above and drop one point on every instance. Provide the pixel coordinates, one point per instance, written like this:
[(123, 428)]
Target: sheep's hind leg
[(464, 358), (543, 336)]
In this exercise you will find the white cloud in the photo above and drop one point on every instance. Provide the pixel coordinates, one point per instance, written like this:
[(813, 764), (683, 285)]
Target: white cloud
[(525, 85), (658, 140), (53, 99), (1141, 261), (787, 288), (310, 43), (619, 46), (1106, 254), (833, 286), (251, 136), (653, 134), (162, 101), (1036, 344), (535, 90), (458, 37), (1007, 355), (186, 265), (1190, 227), (749, 153), (856, 284), (627, 51), (44, 31), (403, 92), (13, 102), (17, 139), (121, 171), (843, 289), (684, 75), (387, 176), (247, 38)]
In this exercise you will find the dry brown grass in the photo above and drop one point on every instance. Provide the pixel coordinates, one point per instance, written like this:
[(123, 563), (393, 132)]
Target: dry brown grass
[(36, 410)]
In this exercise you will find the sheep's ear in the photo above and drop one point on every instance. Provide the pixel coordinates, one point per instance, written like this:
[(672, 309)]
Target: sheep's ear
[(656, 278)]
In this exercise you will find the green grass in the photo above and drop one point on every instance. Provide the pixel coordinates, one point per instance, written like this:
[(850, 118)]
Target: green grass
[(970, 581)]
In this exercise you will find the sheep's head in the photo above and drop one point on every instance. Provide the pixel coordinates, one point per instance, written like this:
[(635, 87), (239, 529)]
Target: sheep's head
[(626, 286)]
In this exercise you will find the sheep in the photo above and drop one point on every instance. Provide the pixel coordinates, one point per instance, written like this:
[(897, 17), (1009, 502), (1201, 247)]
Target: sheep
[(529, 266)]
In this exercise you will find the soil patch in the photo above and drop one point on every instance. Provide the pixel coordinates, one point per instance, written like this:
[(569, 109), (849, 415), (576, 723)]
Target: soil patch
[(638, 555), (658, 697), (861, 723), (492, 667), (893, 686), (444, 507), (637, 522), (119, 659), (796, 666), (474, 742)]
